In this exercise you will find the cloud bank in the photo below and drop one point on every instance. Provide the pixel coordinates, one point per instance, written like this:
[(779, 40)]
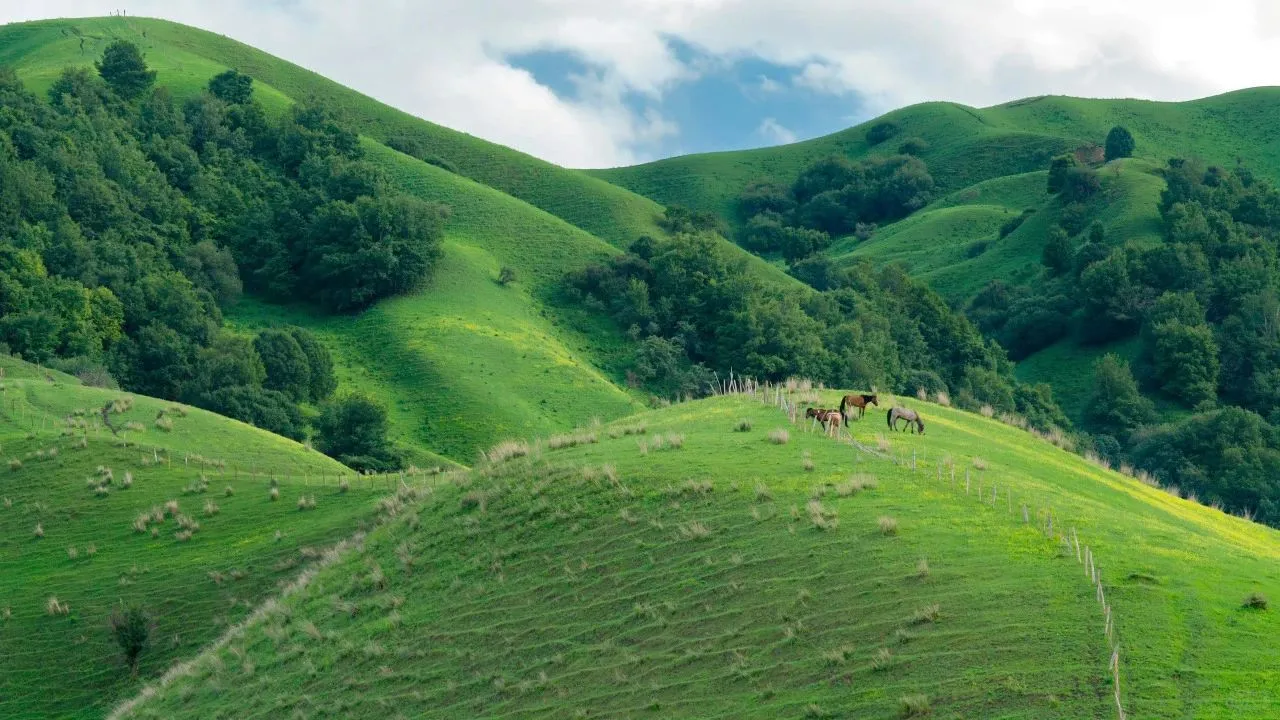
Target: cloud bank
[(450, 60)]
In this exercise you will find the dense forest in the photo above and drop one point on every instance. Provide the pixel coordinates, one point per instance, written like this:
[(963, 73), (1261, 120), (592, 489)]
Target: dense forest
[(1203, 306), (131, 221)]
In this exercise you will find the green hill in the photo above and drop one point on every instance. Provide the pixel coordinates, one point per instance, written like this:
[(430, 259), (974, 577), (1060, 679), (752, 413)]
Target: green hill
[(676, 567), (437, 356), (70, 552)]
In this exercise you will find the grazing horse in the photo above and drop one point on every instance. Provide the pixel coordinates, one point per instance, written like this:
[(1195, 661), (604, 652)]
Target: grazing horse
[(822, 415), (857, 401), (910, 416), (832, 421)]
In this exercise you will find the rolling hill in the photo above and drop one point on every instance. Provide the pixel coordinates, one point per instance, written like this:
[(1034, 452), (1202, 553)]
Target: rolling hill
[(989, 165), (86, 524), (690, 562), (452, 352)]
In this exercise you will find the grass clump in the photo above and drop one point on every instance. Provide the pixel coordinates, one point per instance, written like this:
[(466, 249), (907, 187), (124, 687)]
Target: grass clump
[(763, 493), (1256, 601), (779, 436), (743, 425), (507, 450), (914, 706), (887, 525), (926, 614), (882, 660), (821, 517), (855, 484)]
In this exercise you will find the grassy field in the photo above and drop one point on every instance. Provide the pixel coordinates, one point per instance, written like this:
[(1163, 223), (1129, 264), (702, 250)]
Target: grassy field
[(69, 552), (669, 565)]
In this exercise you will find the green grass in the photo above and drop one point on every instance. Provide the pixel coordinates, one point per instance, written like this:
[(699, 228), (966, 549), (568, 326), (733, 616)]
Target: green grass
[(607, 580), (67, 665)]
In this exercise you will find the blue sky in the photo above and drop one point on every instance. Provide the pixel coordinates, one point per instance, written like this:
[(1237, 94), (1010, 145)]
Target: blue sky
[(728, 103)]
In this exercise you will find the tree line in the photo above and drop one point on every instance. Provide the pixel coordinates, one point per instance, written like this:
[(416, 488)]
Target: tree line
[(1202, 305), (130, 221)]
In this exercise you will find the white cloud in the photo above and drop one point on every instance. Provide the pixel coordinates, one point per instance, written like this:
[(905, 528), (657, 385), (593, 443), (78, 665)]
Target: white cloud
[(445, 60), (775, 132)]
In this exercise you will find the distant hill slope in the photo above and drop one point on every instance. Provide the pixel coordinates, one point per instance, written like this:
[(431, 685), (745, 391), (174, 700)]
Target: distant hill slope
[(969, 145), (64, 541), (632, 576)]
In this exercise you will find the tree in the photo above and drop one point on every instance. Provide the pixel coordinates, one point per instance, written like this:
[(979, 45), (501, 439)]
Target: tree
[(1185, 361), (1079, 184), (123, 68), (353, 429), (1119, 143), (1057, 251), (1115, 406), (232, 87), (132, 627), (319, 361), (286, 364), (1058, 168), (882, 131)]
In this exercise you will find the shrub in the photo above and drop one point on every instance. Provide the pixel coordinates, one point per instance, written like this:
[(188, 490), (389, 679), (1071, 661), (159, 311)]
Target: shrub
[(132, 628), (913, 146), (1120, 143), (743, 425), (506, 275), (779, 436), (1256, 601), (881, 131), (887, 525)]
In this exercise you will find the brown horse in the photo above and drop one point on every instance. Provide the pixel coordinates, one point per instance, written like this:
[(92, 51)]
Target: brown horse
[(911, 417), (832, 421), (822, 415), (859, 401)]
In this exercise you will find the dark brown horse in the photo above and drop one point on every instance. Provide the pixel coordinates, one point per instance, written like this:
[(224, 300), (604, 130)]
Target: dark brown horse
[(911, 417), (857, 401)]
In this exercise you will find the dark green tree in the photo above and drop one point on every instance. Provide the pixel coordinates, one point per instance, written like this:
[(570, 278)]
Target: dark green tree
[(124, 69), (1115, 406), (1058, 168), (353, 429), (286, 364), (319, 361), (1185, 359), (131, 627), (232, 87), (1120, 143), (1057, 253)]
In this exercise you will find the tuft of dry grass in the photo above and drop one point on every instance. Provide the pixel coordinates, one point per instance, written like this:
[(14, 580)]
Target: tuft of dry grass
[(887, 525), (15, 464), (922, 568), (72, 553), (568, 440), (344, 485), (675, 441), (90, 549), (507, 450), (807, 464), (140, 522), (171, 508), (53, 607), (882, 443), (1256, 601), (763, 493), (987, 411), (743, 425), (838, 656), (914, 705), (211, 508), (164, 424), (274, 494), (942, 398), (926, 614), (821, 517), (882, 660), (694, 530), (779, 436), (474, 500), (8, 503), (39, 531), (922, 394), (306, 502), (855, 484), (980, 464), (127, 480)]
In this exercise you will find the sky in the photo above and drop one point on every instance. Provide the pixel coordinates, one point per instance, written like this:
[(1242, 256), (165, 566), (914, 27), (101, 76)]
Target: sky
[(602, 83)]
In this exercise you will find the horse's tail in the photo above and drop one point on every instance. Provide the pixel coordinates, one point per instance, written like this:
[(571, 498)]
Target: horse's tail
[(888, 418), (843, 400)]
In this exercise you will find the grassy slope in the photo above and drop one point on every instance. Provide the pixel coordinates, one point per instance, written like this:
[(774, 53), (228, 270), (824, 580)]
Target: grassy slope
[(551, 591), (68, 666), (450, 362)]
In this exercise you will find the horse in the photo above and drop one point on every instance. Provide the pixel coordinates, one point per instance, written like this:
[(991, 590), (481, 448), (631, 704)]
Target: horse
[(910, 416), (832, 421), (857, 401), (821, 415)]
